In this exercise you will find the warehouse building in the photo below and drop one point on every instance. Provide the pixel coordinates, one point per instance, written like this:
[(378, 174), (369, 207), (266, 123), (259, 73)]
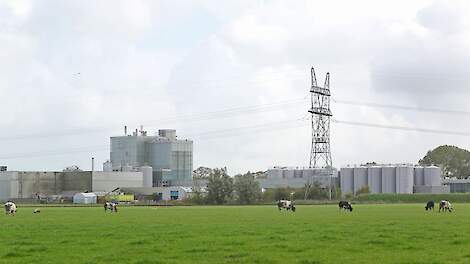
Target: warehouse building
[(171, 159), (34, 184), (298, 177), (392, 179)]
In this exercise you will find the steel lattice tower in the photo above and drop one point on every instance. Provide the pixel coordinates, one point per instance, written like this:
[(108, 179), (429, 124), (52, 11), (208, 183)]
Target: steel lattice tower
[(321, 113)]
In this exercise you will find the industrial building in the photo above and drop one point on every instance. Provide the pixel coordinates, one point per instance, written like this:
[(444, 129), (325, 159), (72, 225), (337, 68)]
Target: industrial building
[(170, 193), (34, 184), (392, 179), (457, 185), (171, 159), (298, 177)]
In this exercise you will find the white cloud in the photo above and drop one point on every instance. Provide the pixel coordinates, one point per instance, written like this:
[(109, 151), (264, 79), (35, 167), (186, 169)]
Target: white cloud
[(71, 65)]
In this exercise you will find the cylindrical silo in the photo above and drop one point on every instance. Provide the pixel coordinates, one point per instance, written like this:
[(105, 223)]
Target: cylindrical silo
[(432, 176), (419, 176), (347, 180), (297, 173), (389, 180), (360, 178), (307, 173), (405, 177), (288, 174), (147, 176), (107, 166), (374, 177)]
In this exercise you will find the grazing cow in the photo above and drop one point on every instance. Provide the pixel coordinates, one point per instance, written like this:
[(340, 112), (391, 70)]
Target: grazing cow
[(36, 211), (429, 206), (286, 204), (445, 205), (112, 206), (10, 208), (345, 205)]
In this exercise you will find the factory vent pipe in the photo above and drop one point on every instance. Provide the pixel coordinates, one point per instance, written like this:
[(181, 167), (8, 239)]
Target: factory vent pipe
[(92, 164)]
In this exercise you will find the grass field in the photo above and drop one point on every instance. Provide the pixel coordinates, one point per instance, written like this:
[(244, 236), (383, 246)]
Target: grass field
[(234, 234)]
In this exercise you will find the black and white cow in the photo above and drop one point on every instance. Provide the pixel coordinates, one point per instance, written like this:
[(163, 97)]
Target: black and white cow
[(112, 206), (10, 208), (445, 205), (286, 204), (429, 205), (345, 205)]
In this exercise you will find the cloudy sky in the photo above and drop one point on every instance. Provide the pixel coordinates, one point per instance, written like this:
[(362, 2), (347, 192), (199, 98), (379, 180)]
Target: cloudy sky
[(231, 75)]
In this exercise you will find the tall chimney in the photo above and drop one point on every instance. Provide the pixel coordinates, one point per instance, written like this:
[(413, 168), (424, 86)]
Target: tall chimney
[(125, 130), (92, 164)]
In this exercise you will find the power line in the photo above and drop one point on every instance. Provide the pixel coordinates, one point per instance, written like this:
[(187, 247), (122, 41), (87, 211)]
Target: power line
[(223, 133), (425, 130), (403, 107), (229, 112)]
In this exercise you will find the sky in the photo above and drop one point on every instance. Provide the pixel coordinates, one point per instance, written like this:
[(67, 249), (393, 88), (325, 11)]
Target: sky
[(234, 76)]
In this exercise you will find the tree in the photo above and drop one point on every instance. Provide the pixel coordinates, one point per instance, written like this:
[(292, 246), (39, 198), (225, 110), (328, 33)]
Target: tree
[(247, 190), (454, 161), (202, 173), (316, 192), (219, 187)]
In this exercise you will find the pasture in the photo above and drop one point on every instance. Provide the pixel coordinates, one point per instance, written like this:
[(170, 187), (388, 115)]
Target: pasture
[(237, 234)]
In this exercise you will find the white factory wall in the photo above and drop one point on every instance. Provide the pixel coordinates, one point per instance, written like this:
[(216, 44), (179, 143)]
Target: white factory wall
[(8, 185), (297, 177), (108, 181)]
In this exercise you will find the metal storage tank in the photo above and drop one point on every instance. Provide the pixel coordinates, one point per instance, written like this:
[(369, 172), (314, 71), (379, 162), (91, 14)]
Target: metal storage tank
[(389, 180), (147, 176), (288, 174), (419, 176), (374, 177), (297, 173), (308, 173), (405, 177), (107, 166), (360, 178), (432, 176), (347, 180)]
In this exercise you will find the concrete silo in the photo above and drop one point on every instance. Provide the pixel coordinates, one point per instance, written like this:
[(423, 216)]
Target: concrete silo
[(107, 166), (404, 178), (147, 176), (419, 176), (347, 180), (432, 176), (389, 180), (288, 174), (360, 178), (374, 179)]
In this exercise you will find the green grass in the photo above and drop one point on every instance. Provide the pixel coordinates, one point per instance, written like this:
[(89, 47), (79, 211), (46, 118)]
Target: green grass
[(398, 233)]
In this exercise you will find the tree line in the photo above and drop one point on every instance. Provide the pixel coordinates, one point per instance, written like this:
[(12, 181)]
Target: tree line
[(245, 189)]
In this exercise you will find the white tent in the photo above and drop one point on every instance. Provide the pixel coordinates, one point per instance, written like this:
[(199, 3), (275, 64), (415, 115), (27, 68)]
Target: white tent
[(84, 198)]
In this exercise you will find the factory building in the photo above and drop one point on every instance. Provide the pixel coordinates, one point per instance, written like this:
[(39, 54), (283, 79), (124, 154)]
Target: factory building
[(33, 184), (170, 193), (298, 177), (392, 179), (457, 185), (171, 159)]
